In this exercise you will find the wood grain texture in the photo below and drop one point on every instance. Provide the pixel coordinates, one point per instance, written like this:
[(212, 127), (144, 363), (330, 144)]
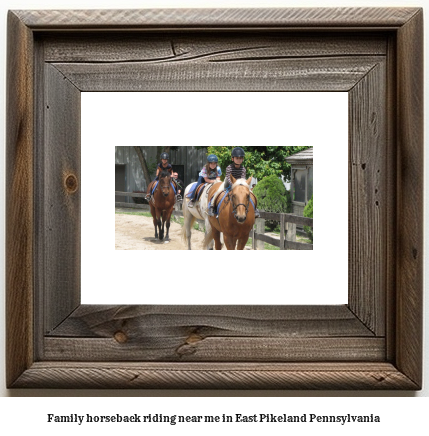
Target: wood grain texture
[(295, 74), (174, 348), (61, 186), (194, 347), (175, 46), (409, 279), (19, 200), (381, 376), (368, 173), (213, 333), (238, 321), (289, 18)]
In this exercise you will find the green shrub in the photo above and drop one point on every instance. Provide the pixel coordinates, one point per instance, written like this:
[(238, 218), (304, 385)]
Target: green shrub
[(272, 196), (308, 212)]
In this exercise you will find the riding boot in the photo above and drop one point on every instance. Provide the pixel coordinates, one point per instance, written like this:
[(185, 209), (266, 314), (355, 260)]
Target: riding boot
[(211, 211), (191, 204), (148, 197), (257, 214)]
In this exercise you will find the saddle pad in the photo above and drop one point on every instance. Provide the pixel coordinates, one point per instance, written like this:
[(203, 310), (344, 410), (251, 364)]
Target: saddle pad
[(200, 190), (223, 194), (190, 194), (154, 187)]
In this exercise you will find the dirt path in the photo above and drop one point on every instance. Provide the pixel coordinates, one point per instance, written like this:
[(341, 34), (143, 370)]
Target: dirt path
[(135, 232)]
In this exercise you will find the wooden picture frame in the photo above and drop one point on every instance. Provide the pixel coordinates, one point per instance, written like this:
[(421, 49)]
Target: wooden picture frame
[(373, 342)]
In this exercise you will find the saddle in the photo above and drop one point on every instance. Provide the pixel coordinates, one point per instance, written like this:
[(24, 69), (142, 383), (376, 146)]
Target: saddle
[(223, 195), (200, 190), (154, 184)]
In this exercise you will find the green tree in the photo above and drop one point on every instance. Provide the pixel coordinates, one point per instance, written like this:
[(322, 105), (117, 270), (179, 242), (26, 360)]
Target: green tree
[(272, 196), (308, 212), (259, 162)]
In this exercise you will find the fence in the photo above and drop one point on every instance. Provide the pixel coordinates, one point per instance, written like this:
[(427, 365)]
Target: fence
[(177, 211), (288, 222), (287, 239)]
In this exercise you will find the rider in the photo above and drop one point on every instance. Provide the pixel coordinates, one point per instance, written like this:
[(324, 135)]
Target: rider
[(179, 184), (238, 171), (163, 165), (209, 174)]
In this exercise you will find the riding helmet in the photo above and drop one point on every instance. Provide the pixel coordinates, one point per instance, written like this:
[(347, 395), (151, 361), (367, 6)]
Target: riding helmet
[(165, 156), (212, 158), (237, 152)]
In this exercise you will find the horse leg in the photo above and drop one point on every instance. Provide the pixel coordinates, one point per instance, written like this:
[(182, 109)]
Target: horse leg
[(167, 237), (161, 229), (187, 225), (230, 242), (160, 233), (216, 237), (154, 220), (242, 243)]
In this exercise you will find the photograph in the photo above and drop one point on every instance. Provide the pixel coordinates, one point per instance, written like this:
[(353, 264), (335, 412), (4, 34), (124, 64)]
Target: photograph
[(214, 197)]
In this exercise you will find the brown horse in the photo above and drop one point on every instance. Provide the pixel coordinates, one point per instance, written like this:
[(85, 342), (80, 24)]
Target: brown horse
[(162, 204), (236, 216)]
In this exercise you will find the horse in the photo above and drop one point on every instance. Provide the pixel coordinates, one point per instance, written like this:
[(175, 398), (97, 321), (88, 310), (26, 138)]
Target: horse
[(198, 212), (162, 204), (236, 215)]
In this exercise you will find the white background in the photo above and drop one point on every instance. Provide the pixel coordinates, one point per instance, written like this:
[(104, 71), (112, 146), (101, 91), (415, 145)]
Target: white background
[(401, 414), (259, 277)]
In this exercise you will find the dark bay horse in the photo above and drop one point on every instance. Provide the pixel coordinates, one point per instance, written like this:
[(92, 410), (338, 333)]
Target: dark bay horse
[(162, 204), (236, 215)]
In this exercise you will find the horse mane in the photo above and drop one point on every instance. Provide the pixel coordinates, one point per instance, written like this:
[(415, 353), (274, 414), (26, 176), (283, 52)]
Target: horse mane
[(164, 173), (240, 182)]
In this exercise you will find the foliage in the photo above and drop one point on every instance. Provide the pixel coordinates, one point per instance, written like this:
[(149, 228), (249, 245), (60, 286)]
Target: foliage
[(308, 212), (272, 196), (259, 162)]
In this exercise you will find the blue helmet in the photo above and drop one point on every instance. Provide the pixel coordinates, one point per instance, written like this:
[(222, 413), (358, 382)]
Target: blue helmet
[(237, 152), (212, 158)]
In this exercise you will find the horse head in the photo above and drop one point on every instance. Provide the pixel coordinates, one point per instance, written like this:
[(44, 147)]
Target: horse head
[(240, 198), (165, 183)]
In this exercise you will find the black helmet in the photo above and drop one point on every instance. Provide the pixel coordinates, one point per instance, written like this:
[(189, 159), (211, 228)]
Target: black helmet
[(237, 152), (165, 156), (212, 158)]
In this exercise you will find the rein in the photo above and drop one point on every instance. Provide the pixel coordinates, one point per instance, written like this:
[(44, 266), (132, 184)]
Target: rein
[(235, 206)]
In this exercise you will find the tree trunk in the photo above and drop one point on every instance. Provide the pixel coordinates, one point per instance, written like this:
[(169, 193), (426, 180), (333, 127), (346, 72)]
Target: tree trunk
[(143, 164)]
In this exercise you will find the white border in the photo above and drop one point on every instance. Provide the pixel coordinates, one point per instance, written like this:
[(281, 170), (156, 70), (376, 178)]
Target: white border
[(190, 119)]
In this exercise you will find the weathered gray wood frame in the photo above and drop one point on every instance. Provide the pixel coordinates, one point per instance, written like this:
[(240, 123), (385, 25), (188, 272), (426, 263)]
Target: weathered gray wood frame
[(374, 342)]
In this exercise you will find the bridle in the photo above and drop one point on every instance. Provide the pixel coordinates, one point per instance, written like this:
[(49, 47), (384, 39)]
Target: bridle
[(235, 206), (163, 188)]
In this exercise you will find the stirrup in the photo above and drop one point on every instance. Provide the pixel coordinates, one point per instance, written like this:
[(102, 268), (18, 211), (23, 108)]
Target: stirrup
[(179, 198), (148, 197), (257, 214), (191, 204)]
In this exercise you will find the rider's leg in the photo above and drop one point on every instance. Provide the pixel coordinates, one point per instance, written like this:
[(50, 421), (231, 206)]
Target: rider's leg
[(199, 182), (211, 210)]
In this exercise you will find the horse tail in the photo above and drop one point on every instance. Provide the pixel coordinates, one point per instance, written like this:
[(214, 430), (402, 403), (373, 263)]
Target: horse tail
[(208, 235), (188, 224)]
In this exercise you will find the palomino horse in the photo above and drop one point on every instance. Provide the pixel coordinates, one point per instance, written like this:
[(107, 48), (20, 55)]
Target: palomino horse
[(198, 212), (162, 204), (236, 215)]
